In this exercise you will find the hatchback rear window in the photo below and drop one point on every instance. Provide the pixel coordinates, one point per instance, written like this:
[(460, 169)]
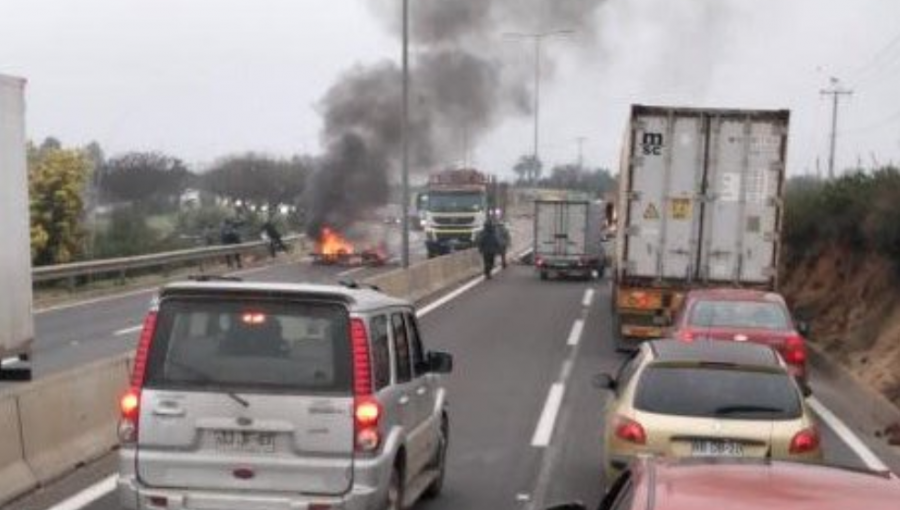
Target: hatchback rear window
[(739, 314), (717, 392), (251, 345)]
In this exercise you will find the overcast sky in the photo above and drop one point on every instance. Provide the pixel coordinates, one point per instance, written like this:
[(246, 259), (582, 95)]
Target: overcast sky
[(204, 78)]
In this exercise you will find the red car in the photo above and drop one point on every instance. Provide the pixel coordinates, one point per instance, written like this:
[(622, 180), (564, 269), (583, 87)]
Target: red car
[(743, 484), (744, 316)]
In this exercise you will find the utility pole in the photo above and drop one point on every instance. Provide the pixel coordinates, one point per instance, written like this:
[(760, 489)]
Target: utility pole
[(581, 140), (405, 135), (835, 92), (538, 38)]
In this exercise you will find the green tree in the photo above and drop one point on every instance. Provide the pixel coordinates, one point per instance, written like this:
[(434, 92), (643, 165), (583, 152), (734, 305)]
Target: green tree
[(146, 179), (255, 179), (57, 178)]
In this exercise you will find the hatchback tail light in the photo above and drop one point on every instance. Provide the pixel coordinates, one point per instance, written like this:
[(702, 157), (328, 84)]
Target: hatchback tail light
[(130, 404), (805, 441), (686, 335), (630, 430), (539, 262), (367, 411), (795, 350)]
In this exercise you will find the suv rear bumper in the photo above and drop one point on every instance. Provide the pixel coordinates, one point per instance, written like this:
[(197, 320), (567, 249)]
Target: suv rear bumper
[(368, 492)]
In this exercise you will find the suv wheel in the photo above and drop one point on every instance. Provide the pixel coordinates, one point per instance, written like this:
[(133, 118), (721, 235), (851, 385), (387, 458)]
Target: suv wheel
[(395, 490), (440, 461)]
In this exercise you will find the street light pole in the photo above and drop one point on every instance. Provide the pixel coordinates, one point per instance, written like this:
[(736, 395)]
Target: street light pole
[(538, 38), (405, 134)]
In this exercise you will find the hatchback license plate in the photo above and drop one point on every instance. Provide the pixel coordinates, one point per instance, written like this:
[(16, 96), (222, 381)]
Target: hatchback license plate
[(244, 441), (708, 448)]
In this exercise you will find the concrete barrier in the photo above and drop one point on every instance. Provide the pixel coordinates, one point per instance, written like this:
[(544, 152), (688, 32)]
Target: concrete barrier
[(70, 418), (430, 276), (16, 477)]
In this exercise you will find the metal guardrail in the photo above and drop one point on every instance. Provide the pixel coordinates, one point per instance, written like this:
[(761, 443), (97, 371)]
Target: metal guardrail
[(120, 266)]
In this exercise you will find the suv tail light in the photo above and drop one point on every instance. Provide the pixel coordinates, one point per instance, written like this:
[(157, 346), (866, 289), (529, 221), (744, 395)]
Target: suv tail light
[(130, 405), (805, 441), (795, 350), (367, 410), (630, 430), (686, 335)]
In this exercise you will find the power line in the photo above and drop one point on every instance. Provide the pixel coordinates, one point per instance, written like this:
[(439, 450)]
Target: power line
[(879, 55), (873, 126)]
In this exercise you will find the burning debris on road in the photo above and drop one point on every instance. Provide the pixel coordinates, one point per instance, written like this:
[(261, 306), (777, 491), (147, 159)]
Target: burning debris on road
[(332, 248)]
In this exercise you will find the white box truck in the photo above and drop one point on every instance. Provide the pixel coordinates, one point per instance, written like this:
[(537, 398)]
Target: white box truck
[(699, 205), (568, 238), (16, 321)]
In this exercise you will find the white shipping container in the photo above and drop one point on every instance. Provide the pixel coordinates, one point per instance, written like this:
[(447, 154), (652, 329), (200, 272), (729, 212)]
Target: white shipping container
[(701, 195), (16, 322)]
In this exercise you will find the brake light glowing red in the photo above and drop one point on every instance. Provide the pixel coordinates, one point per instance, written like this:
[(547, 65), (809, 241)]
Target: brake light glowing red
[(362, 365), (686, 335), (130, 404), (539, 262), (795, 350), (367, 422), (253, 319), (805, 441), (630, 430)]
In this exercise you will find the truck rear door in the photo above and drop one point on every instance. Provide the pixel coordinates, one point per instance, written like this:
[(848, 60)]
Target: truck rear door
[(665, 175), (742, 214), (561, 229)]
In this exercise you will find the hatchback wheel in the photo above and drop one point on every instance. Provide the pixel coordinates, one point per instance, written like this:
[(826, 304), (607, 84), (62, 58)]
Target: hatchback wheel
[(395, 490)]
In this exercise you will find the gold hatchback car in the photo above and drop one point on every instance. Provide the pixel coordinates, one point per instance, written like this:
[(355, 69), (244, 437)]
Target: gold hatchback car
[(706, 399)]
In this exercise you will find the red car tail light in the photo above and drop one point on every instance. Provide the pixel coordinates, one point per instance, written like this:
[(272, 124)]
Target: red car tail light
[(130, 404), (367, 410), (630, 430), (686, 335), (795, 350), (805, 441)]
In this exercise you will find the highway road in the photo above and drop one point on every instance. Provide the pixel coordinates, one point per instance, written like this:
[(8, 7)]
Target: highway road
[(526, 427)]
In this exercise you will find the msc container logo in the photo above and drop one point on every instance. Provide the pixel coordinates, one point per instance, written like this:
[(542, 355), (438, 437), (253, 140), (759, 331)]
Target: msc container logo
[(652, 144)]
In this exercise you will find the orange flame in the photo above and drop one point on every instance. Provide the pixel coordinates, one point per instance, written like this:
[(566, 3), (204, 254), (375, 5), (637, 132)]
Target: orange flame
[(331, 243)]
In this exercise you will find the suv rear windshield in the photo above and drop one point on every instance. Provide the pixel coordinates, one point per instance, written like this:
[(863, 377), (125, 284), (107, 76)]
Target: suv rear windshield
[(739, 314), (251, 345), (717, 392)]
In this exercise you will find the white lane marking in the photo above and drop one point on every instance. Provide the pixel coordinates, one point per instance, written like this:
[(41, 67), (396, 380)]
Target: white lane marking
[(352, 271), (544, 430), (430, 307), (588, 298), (128, 331), (87, 496), (847, 436), (575, 334)]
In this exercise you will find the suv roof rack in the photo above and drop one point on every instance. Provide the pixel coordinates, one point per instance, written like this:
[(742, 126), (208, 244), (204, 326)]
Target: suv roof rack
[(214, 278), (353, 284)]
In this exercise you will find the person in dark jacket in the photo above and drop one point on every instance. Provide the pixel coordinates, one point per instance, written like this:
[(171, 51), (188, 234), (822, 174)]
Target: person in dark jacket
[(490, 245), (230, 235), (505, 241), (275, 241)]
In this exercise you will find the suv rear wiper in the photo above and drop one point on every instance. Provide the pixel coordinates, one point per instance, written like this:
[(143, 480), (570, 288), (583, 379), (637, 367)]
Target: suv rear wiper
[(208, 379), (727, 410)]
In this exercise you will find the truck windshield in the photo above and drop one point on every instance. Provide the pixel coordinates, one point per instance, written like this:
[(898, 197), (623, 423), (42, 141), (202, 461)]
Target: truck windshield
[(456, 202)]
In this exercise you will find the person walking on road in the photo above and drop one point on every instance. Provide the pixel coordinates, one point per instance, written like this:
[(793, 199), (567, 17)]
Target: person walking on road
[(503, 236), (276, 244), (230, 236), (490, 246)]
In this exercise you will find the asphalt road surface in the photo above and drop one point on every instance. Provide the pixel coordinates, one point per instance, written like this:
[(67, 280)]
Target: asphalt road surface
[(526, 426)]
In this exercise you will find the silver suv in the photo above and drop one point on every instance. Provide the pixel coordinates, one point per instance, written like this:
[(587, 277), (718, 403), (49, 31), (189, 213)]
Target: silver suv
[(258, 395)]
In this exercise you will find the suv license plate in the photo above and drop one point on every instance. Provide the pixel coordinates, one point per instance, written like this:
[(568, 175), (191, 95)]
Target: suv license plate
[(245, 442), (717, 449)]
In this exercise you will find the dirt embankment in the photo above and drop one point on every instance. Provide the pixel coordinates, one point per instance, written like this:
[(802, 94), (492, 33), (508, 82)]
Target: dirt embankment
[(853, 303)]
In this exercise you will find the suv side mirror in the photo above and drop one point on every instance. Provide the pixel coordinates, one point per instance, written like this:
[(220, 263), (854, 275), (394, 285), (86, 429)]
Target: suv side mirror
[(439, 362), (605, 382), (803, 328)]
